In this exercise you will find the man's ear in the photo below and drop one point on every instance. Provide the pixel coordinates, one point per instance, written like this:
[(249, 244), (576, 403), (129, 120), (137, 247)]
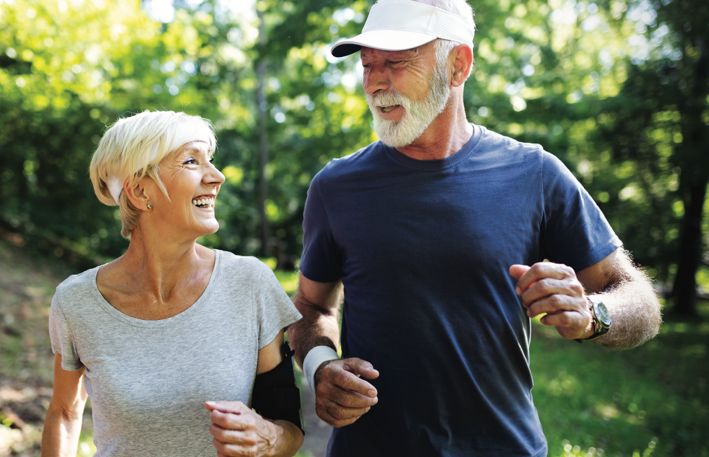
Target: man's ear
[(462, 58)]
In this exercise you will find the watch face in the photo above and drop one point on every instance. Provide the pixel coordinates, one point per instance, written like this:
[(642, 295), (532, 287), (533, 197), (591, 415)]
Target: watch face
[(602, 314)]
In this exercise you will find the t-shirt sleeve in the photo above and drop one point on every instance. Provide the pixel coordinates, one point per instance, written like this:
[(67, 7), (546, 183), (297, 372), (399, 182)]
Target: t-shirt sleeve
[(276, 310), (60, 337), (575, 230), (321, 259)]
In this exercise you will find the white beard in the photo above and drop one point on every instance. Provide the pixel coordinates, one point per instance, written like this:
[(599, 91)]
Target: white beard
[(418, 114)]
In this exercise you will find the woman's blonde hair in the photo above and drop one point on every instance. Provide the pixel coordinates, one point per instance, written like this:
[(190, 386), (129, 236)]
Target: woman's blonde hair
[(132, 148)]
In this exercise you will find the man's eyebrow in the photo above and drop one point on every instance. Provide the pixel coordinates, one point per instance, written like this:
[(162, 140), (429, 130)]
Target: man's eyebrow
[(404, 54), (408, 53)]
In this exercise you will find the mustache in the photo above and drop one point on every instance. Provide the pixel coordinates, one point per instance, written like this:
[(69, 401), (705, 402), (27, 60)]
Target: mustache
[(387, 98)]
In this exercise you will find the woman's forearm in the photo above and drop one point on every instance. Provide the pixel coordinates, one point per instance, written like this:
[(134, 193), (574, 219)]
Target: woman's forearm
[(288, 441), (60, 437)]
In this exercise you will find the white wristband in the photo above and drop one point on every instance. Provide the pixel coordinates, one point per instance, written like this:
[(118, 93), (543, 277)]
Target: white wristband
[(313, 359)]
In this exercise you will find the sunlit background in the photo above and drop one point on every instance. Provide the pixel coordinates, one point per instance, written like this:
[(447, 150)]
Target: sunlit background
[(617, 89)]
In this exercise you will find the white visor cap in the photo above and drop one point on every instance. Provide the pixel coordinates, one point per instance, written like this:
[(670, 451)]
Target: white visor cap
[(396, 26)]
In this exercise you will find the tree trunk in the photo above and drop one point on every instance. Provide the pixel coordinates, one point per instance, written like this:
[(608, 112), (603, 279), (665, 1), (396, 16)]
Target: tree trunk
[(693, 176), (262, 157), (690, 252), (262, 107)]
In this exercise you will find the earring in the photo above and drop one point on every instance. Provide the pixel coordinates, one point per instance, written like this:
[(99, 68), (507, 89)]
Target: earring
[(149, 205)]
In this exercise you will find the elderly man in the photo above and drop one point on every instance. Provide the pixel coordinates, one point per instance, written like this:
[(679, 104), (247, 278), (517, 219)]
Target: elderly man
[(448, 238)]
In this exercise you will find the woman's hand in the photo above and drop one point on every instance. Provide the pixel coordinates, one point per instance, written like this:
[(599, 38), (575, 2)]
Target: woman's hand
[(239, 431)]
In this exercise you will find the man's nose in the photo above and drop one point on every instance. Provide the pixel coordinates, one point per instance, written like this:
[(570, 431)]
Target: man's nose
[(376, 78)]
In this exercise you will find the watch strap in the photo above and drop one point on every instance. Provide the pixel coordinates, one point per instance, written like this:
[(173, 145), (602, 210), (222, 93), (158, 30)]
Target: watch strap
[(600, 319)]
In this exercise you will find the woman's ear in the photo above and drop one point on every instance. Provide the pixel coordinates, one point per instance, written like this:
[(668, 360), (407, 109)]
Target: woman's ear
[(138, 195), (462, 57)]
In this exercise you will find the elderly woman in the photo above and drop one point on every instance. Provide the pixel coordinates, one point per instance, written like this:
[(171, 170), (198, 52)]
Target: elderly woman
[(172, 341)]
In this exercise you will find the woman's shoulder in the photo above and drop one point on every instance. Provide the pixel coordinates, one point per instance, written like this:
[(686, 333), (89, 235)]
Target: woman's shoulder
[(78, 282), (75, 290), (243, 265)]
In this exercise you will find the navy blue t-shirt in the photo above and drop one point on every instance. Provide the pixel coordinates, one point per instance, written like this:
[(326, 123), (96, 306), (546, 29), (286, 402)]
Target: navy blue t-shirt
[(423, 249)]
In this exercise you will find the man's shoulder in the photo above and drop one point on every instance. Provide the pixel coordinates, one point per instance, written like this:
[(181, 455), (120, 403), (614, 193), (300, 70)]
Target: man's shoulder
[(492, 140), (353, 163), (533, 154)]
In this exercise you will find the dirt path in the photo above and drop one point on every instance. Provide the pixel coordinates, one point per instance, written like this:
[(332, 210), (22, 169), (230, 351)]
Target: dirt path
[(26, 285)]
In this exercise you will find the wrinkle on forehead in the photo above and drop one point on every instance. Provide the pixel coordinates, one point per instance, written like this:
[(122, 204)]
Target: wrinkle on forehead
[(193, 146), (414, 52)]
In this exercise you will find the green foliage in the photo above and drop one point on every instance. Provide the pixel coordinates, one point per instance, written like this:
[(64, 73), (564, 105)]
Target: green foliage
[(613, 88), (647, 401), (69, 69)]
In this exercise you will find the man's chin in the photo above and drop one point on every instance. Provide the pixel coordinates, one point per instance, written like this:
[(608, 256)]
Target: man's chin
[(393, 138), (390, 140)]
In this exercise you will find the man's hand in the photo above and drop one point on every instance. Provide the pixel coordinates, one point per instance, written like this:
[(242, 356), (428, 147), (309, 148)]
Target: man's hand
[(341, 393), (553, 289)]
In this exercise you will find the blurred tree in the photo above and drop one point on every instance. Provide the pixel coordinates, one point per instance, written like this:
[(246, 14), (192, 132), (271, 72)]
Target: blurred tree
[(662, 123), (262, 107), (311, 118), (688, 21), (68, 70), (616, 89)]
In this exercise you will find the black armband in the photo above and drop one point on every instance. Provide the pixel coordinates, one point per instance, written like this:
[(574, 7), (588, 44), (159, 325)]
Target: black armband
[(275, 394)]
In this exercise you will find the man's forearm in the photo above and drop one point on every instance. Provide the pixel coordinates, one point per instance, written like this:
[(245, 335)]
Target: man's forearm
[(635, 311), (318, 327), (310, 332)]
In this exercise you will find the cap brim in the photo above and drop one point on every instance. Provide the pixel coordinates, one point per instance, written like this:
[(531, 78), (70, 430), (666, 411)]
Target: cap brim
[(385, 40)]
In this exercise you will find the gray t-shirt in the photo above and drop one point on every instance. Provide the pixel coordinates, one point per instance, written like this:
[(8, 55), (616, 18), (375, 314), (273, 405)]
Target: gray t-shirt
[(148, 379)]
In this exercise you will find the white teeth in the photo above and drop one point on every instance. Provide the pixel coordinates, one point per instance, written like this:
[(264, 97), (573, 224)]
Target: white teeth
[(203, 202)]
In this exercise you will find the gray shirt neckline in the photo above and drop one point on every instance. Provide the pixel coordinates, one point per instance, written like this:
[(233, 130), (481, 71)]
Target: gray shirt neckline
[(116, 313)]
